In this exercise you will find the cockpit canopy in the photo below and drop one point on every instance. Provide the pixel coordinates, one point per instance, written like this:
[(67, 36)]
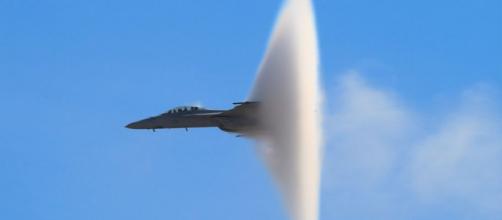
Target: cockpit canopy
[(181, 109)]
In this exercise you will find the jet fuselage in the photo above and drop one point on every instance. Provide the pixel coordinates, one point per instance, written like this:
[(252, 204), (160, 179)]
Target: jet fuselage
[(241, 119)]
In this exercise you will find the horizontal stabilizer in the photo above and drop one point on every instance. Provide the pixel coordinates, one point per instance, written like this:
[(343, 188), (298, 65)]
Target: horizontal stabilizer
[(244, 103)]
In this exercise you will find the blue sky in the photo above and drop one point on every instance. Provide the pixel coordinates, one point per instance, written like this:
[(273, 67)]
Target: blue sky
[(73, 73)]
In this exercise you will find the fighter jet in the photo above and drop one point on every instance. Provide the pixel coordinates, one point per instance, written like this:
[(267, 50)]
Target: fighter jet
[(241, 119)]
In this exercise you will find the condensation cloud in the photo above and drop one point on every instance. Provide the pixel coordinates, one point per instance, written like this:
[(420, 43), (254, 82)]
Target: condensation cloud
[(287, 85)]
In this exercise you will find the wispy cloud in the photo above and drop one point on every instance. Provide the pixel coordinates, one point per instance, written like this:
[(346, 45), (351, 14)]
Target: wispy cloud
[(462, 159), (383, 161)]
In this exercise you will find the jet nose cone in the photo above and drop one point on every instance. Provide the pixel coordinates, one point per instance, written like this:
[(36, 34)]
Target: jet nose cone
[(148, 123), (133, 125)]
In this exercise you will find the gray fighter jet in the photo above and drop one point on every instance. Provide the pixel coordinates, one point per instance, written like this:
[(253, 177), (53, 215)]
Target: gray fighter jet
[(241, 119)]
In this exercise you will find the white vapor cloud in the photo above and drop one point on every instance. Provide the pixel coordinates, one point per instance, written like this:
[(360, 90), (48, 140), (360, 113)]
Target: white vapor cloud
[(384, 160), (287, 87)]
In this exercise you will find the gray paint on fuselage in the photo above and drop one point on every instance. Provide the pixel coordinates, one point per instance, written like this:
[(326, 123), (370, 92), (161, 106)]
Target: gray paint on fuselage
[(200, 118), (240, 119)]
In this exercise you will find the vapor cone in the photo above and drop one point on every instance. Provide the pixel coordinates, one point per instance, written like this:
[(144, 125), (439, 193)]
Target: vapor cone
[(287, 86)]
